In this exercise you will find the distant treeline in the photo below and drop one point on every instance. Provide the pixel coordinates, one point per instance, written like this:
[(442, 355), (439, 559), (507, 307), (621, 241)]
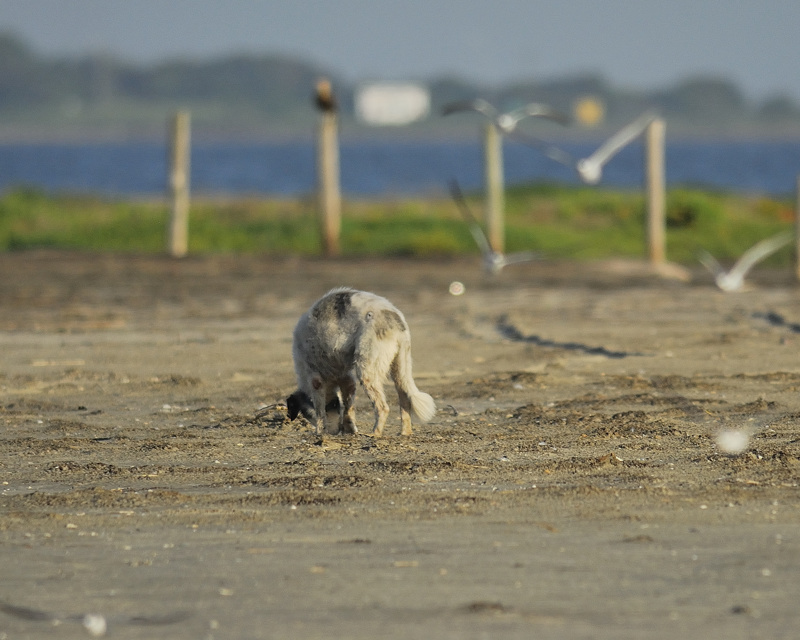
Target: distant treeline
[(270, 96)]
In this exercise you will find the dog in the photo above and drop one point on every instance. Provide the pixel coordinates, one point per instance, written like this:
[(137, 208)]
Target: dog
[(346, 337)]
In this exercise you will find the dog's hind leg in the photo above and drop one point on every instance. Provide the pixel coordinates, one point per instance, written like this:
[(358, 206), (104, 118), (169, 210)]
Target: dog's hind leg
[(412, 400), (397, 374), (347, 422), (405, 411), (406, 407), (374, 391)]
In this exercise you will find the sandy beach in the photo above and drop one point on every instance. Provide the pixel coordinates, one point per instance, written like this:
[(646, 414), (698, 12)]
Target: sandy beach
[(615, 455)]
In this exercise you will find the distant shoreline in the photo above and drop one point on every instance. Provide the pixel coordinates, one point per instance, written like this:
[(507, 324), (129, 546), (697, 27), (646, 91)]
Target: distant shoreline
[(356, 134)]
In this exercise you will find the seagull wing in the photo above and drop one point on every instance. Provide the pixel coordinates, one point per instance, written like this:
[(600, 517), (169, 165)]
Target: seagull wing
[(759, 251), (537, 110), (543, 111), (711, 263), (474, 227), (521, 256), (620, 139), (479, 105), (550, 150)]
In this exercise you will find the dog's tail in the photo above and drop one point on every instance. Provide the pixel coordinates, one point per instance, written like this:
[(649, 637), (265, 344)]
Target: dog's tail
[(422, 405)]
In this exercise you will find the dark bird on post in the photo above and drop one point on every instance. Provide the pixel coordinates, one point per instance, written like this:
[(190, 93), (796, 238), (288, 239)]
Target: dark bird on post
[(324, 98)]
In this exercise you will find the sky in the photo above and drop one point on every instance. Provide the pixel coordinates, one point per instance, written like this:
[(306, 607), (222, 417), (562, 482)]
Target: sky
[(635, 44)]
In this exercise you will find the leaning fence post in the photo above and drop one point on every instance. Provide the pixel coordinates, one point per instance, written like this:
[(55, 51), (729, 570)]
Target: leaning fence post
[(330, 199), (655, 191), (179, 161), (797, 231), (495, 200)]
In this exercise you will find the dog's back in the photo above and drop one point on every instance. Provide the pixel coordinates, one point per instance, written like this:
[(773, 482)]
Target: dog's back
[(326, 335), (345, 319), (356, 332)]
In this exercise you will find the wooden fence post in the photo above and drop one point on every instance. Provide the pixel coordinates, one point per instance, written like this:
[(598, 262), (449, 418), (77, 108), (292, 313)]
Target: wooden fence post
[(655, 191), (495, 197), (179, 168), (797, 231), (330, 199)]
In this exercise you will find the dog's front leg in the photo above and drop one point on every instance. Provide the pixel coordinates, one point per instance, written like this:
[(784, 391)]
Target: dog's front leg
[(348, 418), (333, 411), (319, 399)]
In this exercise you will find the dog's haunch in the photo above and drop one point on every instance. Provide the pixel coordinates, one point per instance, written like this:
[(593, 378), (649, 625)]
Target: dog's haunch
[(349, 337)]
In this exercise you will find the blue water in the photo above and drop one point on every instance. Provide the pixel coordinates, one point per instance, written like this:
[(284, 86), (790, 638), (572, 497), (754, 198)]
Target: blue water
[(380, 168)]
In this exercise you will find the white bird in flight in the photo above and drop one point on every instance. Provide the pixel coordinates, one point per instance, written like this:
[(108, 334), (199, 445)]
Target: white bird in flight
[(733, 280), (505, 122), (590, 169), (493, 261)]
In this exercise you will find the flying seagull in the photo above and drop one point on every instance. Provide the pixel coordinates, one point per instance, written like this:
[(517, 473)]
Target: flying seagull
[(590, 169), (505, 122), (733, 280), (493, 261)]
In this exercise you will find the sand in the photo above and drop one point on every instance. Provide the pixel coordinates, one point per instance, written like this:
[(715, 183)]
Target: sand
[(615, 455)]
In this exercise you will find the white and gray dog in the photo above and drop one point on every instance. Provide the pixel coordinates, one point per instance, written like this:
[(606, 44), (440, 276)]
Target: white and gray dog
[(348, 336)]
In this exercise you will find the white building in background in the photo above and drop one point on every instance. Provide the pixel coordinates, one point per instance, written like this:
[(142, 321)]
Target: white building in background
[(392, 103)]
